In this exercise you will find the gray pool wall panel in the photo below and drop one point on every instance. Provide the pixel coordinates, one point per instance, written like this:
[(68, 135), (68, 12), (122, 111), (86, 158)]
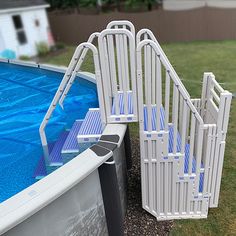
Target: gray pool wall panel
[(80, 211)]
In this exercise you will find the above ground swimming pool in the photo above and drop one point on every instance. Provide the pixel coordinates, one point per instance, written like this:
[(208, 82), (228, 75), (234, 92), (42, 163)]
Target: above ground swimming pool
[(25, 95)]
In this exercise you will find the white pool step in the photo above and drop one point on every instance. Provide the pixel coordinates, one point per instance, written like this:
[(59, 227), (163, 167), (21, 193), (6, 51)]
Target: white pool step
[(71, 145), (55, 157), (91, 129)]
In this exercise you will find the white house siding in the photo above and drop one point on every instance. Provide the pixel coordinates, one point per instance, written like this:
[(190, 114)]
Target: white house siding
[(33, 34), (178, 5)]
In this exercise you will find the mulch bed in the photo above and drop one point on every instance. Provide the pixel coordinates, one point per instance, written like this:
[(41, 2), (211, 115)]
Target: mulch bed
[(137, 220)]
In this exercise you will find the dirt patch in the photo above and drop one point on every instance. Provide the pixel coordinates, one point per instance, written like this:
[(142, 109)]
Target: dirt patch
[(137, 220)]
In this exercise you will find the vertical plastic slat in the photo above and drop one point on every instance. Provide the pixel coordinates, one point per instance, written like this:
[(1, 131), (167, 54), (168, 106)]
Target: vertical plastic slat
[(154, 79), (159, 78), (181, 197), (126, 59), (211, 161), (124, 78), (148, 83), (145, 68), (108, 72), (165, 188), (140, 90), (103, 53), (198, 157), (167, 100), (151, 202), (143, 184), (207, 159), (192, 137), (158, 181), (118, 53), (181, 103), (158, 92), (113, 72), (133, 76), (175, 117)]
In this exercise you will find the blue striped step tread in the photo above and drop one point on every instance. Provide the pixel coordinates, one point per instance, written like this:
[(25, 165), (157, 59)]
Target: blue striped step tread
[(55, 158), (71, 144), (91, 128), (186, 166), (154, 118), (41, 170), (121, 104)]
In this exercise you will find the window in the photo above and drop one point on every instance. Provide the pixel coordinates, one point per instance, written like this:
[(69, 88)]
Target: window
[(19, 29), (37, 23)]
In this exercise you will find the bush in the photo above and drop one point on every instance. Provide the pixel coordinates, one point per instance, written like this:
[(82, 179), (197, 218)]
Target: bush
[(24, 58), (88, 3), (60, 45), (42, 48)]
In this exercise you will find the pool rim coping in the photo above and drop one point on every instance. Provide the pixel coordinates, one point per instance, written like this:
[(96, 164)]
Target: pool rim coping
[(49, 67)]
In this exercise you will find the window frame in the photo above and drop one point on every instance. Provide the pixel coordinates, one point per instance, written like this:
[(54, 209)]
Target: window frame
[(19, 28)]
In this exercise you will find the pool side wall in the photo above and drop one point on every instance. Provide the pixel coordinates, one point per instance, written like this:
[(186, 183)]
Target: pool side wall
[(83, 208), (80, 211)]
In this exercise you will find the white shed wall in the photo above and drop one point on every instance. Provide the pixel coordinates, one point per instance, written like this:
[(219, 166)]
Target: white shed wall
[(33, 34)]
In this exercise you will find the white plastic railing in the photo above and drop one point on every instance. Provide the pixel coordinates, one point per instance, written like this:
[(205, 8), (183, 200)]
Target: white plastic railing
[(147, 34), (171, 74), (117, 58), (81, 60), (72, 70), (122, 24)]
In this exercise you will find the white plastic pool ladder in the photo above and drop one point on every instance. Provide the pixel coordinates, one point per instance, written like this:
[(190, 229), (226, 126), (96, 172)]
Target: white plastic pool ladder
[(182, 140)]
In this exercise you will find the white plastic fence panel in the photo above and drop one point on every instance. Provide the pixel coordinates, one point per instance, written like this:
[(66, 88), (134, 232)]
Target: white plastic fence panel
[(215, 110)]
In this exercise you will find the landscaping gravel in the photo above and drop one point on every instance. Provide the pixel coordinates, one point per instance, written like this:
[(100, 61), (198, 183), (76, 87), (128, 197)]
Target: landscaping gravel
[(137, 220)]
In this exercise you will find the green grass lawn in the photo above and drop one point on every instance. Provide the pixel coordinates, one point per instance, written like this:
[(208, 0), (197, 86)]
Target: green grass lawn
[(190, 61)]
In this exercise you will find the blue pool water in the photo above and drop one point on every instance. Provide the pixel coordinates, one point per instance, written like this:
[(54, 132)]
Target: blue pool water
[(25, 95)]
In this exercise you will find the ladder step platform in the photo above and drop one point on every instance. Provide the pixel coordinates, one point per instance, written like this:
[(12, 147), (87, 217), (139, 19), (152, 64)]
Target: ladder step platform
[(71, 147), (121, 110), (71, 144), (91, 128), (55, 158), (41, 170)]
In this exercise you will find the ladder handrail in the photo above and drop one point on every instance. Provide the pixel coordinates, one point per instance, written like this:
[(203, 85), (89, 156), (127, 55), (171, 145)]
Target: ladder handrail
[(71, 70), (173, 75), (168, 64), (71, 80), (117, 23)]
